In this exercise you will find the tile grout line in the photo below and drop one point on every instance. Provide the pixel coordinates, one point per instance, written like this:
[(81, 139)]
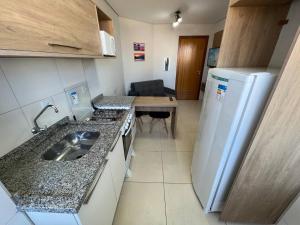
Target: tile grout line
[(20, 107), (162, 166), (153, 182)]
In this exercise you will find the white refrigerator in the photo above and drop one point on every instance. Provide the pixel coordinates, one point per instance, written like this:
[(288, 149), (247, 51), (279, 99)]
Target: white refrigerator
[(233, 102)]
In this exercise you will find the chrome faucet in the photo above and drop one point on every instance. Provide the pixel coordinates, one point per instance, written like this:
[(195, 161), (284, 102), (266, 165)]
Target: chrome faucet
[(36, 128)]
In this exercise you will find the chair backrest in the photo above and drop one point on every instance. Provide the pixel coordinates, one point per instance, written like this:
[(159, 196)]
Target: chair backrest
[(148, 88)]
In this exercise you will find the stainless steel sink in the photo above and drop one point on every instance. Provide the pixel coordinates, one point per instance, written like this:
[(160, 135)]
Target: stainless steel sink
[(73, 146)]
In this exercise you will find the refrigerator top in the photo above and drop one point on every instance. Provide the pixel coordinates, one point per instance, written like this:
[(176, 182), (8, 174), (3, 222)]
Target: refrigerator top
[(243, 73)]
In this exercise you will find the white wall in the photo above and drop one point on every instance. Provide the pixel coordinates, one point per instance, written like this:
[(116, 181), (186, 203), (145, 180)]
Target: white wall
[(287, 35), (291, 217), (27, 84), (135, 31), (219, 25), (161, 41), (165, 43)]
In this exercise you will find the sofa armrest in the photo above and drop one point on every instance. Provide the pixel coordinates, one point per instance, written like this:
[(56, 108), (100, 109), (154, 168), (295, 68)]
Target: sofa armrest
[(169, 91)]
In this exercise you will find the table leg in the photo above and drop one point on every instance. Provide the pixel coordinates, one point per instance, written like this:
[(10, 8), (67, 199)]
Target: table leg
[(173, 122)]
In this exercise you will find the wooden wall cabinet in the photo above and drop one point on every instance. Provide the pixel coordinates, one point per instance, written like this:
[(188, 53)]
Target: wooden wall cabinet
[(258, 2), (251, 32), (50, 28), (268, 179)]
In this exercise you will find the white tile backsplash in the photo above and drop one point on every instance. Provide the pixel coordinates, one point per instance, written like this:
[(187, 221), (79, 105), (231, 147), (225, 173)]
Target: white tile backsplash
[(14, 130), (70, 71), (8, 101), (82, 107), (26, 86), (32, 110), (91, 77), (60, 100), (32, 79)]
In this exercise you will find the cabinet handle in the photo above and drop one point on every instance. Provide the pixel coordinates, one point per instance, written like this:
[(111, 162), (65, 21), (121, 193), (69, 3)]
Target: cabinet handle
[(115, 143), (62, 45)]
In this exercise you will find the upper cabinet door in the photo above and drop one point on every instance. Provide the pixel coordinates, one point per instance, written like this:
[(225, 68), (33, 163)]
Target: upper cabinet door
[(49, 26)]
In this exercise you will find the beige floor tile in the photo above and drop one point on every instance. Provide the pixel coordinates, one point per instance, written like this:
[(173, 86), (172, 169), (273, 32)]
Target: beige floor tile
[(185, 141), (151, 144), (168, 144), (144, 131), (177, 167), (183, 207), (146, 167), (141, 204), (180, 144)]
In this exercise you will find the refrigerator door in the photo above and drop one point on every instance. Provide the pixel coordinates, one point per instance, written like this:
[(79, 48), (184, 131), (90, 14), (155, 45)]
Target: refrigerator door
[(209, 119), (219, 120), (256, 101)]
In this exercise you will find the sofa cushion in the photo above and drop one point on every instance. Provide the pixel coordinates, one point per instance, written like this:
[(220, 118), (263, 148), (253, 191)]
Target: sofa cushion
[(148, 88)]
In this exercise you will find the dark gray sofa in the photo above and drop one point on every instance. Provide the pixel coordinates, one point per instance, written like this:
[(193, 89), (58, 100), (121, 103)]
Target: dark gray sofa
[(150, 88)]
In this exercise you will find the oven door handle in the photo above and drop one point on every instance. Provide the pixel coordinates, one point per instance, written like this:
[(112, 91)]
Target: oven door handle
[(131, 125)]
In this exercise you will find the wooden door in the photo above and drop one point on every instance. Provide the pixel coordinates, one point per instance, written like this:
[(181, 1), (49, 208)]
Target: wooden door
[(268, 179), (49, 26), (190, 64)]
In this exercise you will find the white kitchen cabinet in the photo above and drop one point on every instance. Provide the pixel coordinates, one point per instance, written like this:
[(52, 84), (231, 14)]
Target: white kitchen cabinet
[(8, 211), (101, 203), (7, 206), (39, 218), (101, 207), (19, 219), (117, 167)]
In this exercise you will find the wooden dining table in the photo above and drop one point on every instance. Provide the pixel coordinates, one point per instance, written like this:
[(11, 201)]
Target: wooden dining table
[(158, 104)]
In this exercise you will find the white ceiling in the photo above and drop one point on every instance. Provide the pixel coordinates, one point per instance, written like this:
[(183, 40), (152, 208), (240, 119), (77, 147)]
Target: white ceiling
[(161, 11)]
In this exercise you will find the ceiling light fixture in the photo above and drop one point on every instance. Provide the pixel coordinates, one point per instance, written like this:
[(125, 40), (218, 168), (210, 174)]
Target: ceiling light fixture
[(178, 19)]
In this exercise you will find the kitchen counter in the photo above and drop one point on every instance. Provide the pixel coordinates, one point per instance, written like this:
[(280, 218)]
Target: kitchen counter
[(55, 186), (113, 102)]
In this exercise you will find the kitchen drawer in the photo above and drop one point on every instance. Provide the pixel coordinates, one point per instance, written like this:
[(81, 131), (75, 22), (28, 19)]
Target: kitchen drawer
[(49, 26)]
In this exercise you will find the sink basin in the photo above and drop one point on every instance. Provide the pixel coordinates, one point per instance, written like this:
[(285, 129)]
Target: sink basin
[(73, 146)]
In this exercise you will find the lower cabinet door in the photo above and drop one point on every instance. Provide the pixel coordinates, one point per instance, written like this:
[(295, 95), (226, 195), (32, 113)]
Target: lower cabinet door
[(19, 219), (118, 167), (100, 209), (7, 206)]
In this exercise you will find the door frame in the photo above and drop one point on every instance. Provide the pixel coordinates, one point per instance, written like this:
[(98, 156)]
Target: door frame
[(203, 64)]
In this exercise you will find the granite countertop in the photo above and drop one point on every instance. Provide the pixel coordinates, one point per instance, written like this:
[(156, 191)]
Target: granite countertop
[(113, 102), (50, 186)]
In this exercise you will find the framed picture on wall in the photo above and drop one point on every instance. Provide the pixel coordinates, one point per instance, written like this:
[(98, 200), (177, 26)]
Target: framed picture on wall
[(139, 46), (138, 57)]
